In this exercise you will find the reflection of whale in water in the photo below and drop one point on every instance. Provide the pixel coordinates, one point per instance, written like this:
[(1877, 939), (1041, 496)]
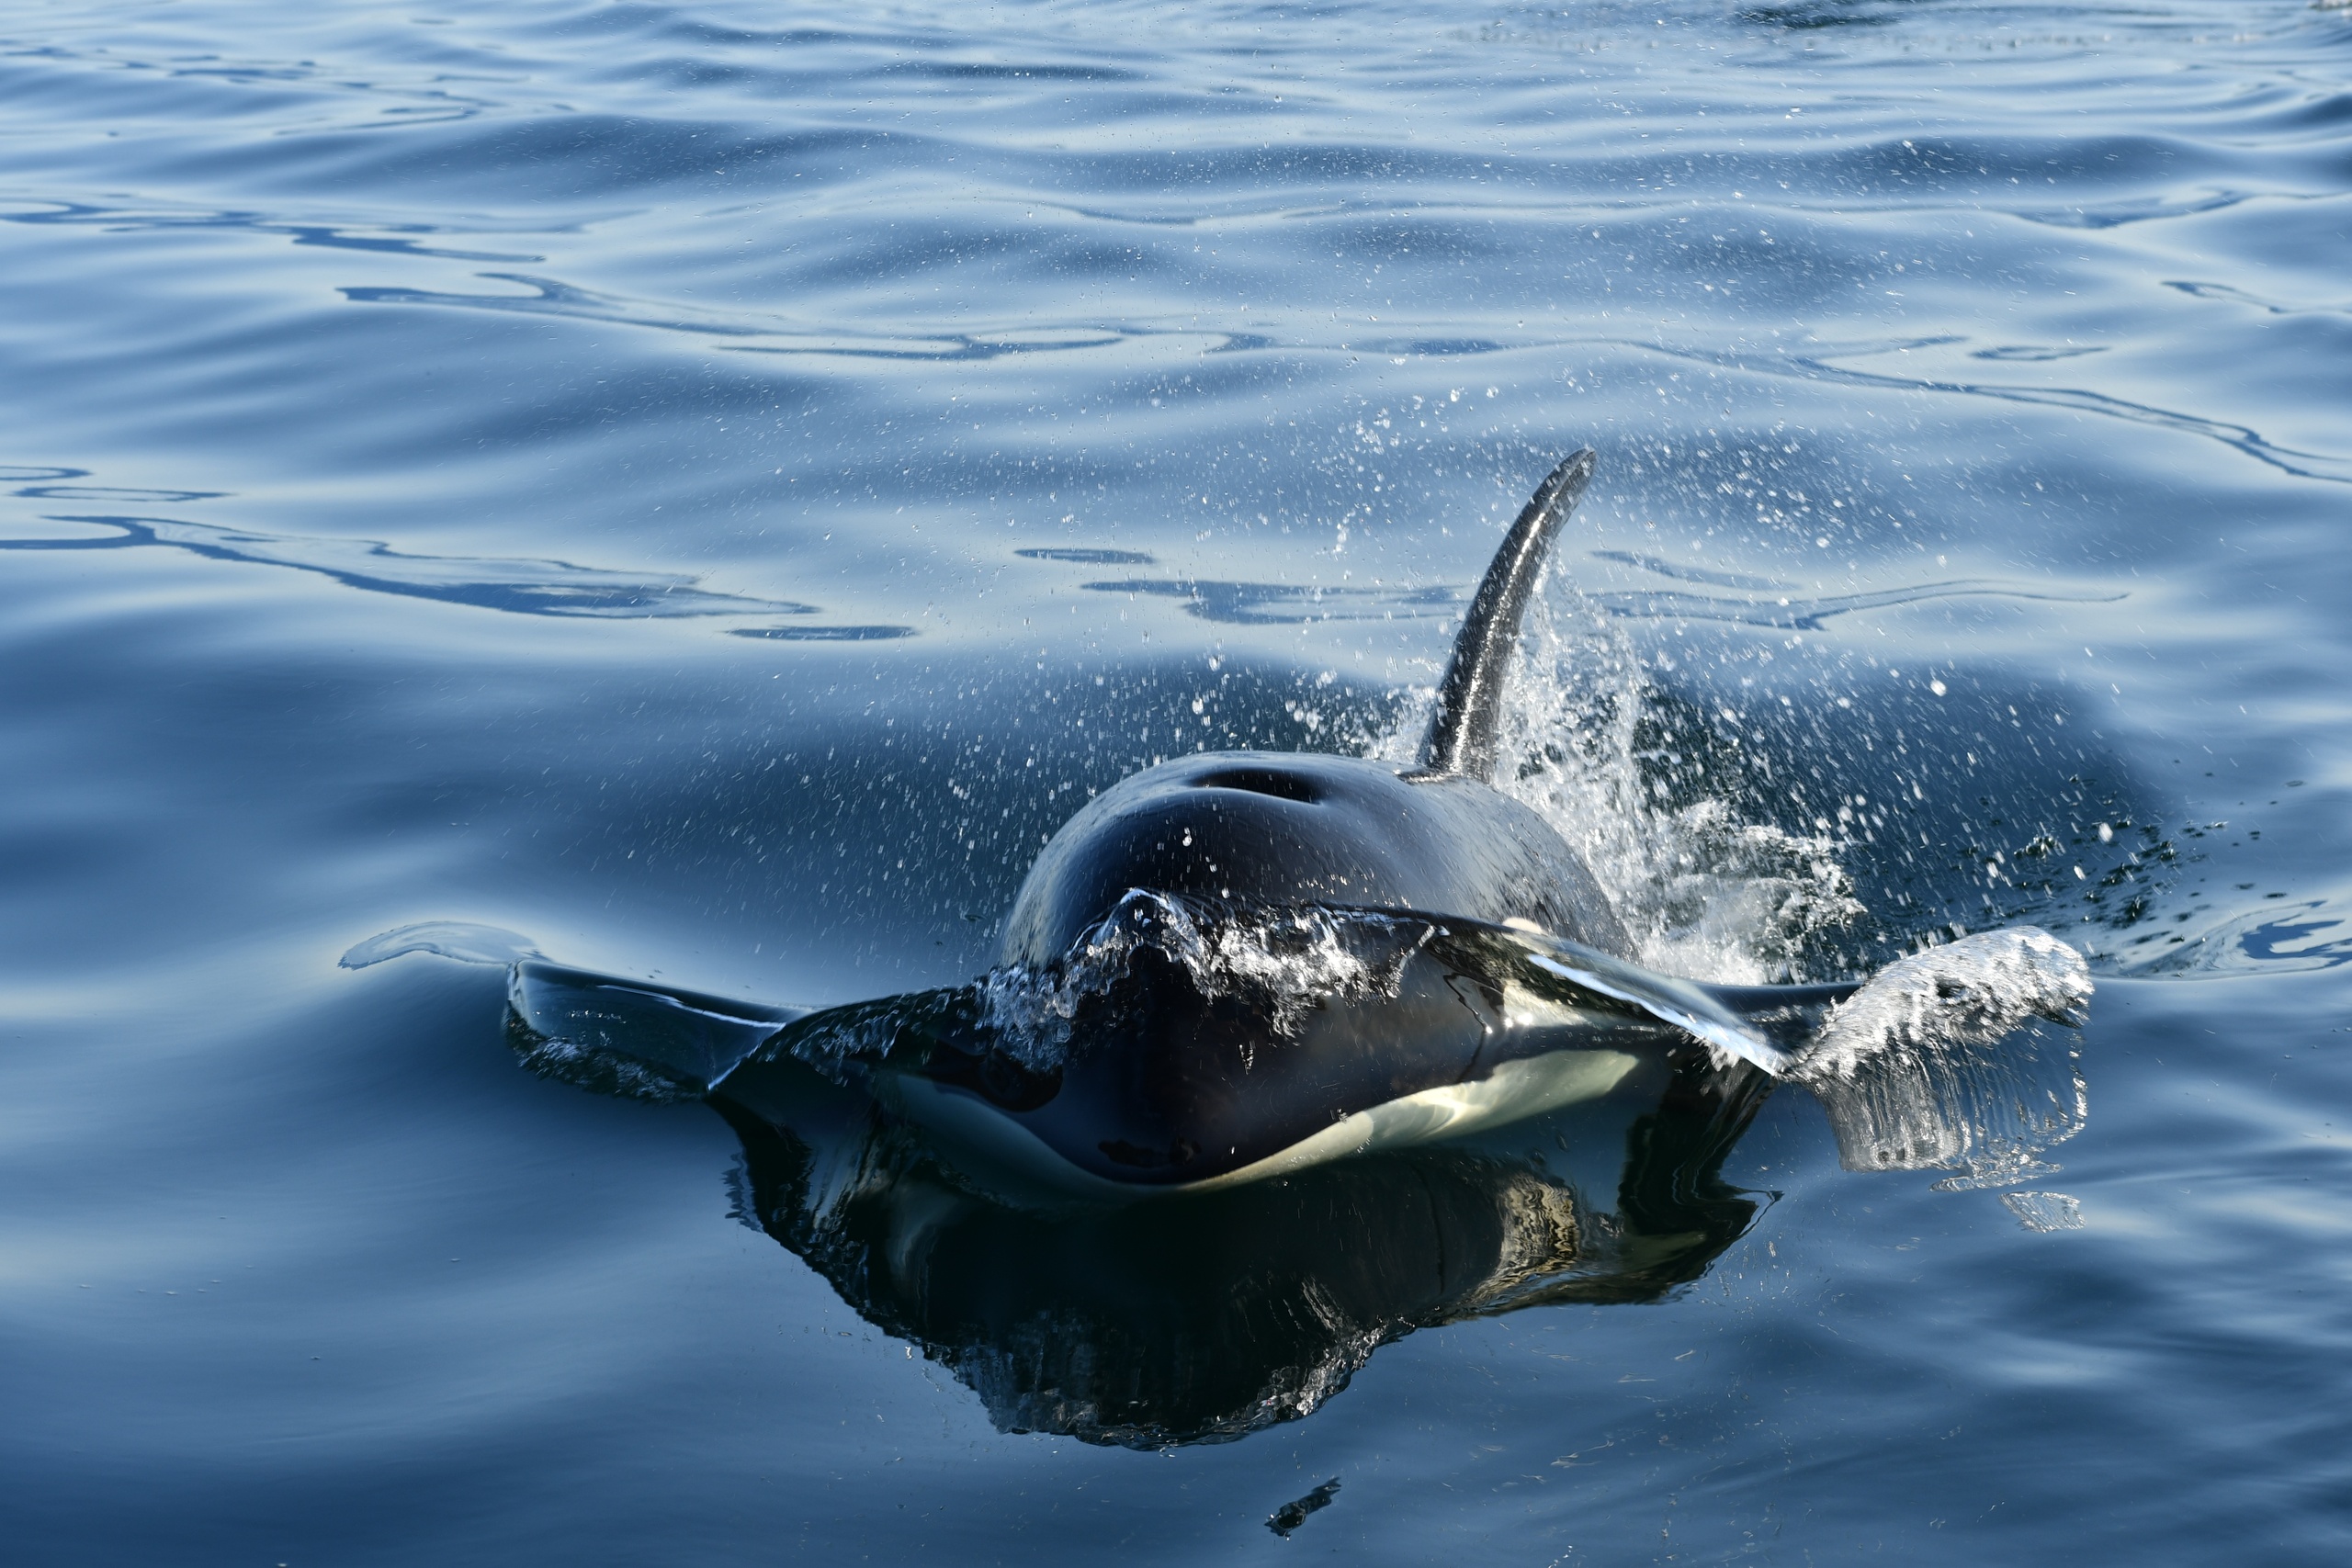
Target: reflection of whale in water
[(1211, 1316), (1206, 1314), (1197, 1318)]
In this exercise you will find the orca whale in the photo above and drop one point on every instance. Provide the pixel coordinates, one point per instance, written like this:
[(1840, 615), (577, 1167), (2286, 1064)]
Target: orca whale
[(1225, 976), (1236, 964)]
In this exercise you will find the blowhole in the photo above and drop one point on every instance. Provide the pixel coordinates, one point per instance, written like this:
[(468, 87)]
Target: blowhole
[(1262, 781)]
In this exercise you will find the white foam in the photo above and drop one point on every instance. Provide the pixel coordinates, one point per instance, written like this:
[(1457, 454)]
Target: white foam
[(1973, 992), (1933, 1066)]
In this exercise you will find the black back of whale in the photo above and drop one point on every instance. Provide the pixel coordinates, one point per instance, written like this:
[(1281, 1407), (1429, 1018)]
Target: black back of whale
[(1273, 828)]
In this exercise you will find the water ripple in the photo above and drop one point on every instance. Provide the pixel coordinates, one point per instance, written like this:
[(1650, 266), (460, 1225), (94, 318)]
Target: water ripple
[(1274, 604), (521, 587), (396, 239), (551, 297), (1819, 366)]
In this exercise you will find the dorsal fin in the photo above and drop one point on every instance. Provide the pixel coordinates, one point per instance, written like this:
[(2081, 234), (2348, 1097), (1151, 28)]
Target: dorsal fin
[(1466, 728)]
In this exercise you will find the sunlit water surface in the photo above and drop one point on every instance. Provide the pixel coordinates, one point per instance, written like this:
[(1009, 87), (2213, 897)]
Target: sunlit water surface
[(710, 487)]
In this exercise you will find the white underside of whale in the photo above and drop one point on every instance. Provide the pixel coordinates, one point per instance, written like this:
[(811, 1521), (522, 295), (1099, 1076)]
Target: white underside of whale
[(1512, 1092)]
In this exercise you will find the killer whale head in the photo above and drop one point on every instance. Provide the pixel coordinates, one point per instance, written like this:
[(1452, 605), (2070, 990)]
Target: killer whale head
[(1256, 829), (1276, 829)]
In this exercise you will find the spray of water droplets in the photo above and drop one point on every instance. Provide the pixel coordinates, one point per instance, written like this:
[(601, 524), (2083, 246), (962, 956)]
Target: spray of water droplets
[(1703, 893)]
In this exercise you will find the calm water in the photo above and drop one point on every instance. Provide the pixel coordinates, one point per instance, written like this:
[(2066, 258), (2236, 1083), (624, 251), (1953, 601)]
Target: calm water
[(710, 486)]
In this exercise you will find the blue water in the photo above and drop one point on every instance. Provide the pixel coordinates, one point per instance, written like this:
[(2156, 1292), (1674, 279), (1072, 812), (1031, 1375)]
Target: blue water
[(710, 487)]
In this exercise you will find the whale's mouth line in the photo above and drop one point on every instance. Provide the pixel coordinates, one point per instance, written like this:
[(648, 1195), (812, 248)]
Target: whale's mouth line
[(1287, 961)]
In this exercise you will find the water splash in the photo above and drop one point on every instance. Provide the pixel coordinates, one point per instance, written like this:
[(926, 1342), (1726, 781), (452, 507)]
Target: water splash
[(1937, 1063), (1283, 964), (1703, 892), (1973, 992)]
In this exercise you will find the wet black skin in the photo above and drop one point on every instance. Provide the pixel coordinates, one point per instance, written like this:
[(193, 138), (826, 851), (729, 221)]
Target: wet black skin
[(1166, 1086), (1259, 828)]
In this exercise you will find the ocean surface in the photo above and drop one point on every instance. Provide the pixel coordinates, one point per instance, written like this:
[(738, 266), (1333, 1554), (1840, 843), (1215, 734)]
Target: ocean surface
[(709, 487)]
